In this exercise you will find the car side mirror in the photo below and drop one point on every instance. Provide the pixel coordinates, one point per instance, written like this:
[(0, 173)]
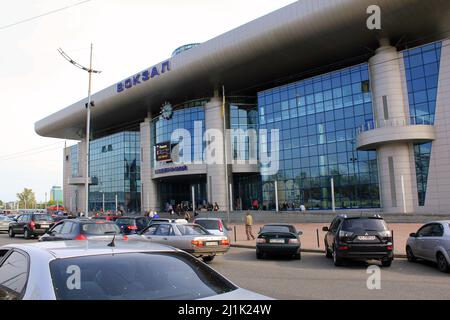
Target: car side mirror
[(325, 229), (300, 233), (230, 229), (413, 235)]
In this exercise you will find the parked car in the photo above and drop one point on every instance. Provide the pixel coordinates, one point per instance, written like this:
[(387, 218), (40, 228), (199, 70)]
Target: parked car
[(105, 218), (359, 238), (5, 221), (125, 271), (57, 218), (82, 229), (431, 242), (214, 225), (278, 239), (189, 237), (30, 225), (131, 225)]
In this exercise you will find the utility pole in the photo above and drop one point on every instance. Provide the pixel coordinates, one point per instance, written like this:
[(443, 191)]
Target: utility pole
[(89, 104)]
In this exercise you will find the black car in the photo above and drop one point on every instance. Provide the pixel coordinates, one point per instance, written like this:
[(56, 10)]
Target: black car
[(278, 239), (30, 225), (81, 229), (132, 225), (359, 238)]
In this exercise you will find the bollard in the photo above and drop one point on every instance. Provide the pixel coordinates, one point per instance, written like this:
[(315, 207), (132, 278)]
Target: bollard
[(318, 241), (235, 234)]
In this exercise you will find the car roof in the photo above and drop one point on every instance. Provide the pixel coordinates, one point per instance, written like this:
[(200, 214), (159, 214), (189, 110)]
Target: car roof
[(93, 221), (74, 248), (439, 221), (172, 221), (279, 225)]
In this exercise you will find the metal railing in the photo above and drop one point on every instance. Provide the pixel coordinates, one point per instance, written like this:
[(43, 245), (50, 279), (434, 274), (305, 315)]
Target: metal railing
[(396, 122)]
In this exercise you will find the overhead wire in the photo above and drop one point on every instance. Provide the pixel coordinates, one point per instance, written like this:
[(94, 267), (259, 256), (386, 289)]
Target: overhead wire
[(42, 15)]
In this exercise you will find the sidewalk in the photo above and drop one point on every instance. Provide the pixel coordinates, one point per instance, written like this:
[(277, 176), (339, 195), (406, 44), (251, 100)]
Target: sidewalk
[(309, 237)]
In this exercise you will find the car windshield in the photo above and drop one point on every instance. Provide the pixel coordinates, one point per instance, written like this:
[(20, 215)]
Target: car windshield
[(208, 224), (281, 229), (191, 230), (128, 221), (43, 217), (137, 276), (355, 225), (100, 228)]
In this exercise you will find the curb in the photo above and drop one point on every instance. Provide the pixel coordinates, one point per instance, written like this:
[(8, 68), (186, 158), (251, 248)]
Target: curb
[(243, 246)]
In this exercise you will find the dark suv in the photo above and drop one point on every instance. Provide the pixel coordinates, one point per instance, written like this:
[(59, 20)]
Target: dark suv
[(30, 225), (132, 225), (359, 238)]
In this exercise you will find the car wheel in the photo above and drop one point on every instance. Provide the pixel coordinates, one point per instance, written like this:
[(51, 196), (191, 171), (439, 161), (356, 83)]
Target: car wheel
[(208, 259), (410, 255), (297, 256), (328, 254), (386, 263), (11, 233), (337, 261), (259, 255), (442, 263), (26, 234)]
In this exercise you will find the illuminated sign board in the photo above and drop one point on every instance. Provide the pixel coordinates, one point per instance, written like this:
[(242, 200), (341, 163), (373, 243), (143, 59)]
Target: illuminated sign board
[(163, 152)]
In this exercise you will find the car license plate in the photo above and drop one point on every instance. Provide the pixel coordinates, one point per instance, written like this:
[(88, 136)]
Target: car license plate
[(43, 226), (211, 244), (366, 238), (276, 241)]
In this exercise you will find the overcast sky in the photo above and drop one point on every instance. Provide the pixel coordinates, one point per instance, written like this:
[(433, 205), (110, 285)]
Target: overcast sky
[(128, 36)]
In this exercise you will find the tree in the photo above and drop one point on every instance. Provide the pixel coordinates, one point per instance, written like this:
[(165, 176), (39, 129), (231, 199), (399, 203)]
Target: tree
[(26, 199)]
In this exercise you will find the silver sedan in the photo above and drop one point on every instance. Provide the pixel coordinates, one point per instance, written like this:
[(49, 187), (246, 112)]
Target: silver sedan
[(188, 237), (4, 223), (100, 270), (431, 242)]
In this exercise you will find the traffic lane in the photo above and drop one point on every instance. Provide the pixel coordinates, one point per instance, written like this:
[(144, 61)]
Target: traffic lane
[(5, 239), (316, 277)]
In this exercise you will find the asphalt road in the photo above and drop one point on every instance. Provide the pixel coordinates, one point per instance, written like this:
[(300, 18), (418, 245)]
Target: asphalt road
[(315, 277)]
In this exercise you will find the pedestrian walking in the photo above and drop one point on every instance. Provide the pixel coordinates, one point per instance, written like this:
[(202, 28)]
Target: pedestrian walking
[(248, 226)]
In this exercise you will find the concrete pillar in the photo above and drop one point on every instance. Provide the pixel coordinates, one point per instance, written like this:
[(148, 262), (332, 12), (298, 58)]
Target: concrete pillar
[(389, 103), (217, 188), (67, 173), (149, 187)]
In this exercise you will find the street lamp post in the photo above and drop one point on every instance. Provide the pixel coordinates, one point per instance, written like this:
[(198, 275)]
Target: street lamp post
[(89, 104)]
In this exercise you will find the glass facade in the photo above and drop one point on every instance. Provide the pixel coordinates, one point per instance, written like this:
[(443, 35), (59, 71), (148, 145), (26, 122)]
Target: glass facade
[(243, 117), (184, 117), (317, 120), (74, 160), (115, 166), (422, 76)]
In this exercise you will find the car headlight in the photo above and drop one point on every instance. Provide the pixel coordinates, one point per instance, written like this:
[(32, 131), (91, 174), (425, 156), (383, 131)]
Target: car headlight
[(260, 240)]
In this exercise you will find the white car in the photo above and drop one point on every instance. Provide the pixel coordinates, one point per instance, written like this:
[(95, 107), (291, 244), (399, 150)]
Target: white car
[(431, 242), (103, 270)]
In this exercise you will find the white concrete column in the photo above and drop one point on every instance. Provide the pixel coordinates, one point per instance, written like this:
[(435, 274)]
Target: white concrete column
[(217, 188), (389, 103), (149, 187), (81, 202), (67, 173)]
